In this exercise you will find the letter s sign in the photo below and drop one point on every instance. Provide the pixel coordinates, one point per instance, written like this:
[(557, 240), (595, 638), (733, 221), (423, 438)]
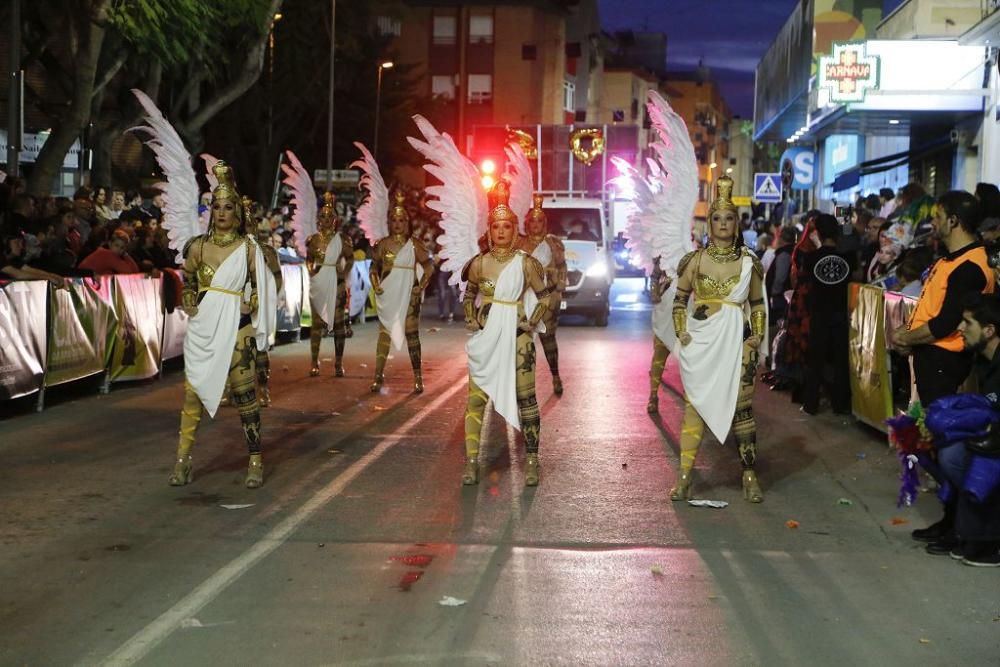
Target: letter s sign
[(803, 167)]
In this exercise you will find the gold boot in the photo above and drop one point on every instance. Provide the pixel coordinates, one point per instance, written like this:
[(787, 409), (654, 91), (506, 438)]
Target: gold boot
[(418, 382), (751, 488), (377, 384), (653, 406), (255, 472), (182, 472), (682, 489), (338, 369), (470, 475), (314, 371), (264, 397), (531, 470), (190, 417), (557, 386)]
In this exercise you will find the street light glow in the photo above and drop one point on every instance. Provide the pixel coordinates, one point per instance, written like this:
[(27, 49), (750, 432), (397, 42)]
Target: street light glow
[(277, 17), (488, 167), (488, 181), (388, 64)]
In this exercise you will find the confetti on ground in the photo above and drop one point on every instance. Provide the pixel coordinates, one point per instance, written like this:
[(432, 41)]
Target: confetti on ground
[(333, 451), (236, 507), (334, 414), (494, 491), (860, 456), (378, 408), (899, 521), (924, 640), (327, 360), (366, 365), (657, 570), (715, 504), (845, 501), (191, 623), (448, 601), (792, 523)]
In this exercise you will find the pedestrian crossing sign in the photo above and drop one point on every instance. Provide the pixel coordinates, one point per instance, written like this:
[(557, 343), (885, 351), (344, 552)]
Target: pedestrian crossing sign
[(767, 188)]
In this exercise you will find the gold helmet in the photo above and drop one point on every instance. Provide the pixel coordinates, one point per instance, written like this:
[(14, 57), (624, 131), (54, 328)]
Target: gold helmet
[(536, 212), (328, 214), (498, 199), (226, 189), (398, 211), (724, 196)]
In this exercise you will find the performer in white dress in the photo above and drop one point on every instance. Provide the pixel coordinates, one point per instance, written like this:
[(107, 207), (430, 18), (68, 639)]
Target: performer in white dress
[(228, 292), (719, 333), (329, 256)]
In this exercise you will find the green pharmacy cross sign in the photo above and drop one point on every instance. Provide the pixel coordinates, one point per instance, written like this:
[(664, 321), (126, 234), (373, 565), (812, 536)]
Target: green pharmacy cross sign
[(849, 73)]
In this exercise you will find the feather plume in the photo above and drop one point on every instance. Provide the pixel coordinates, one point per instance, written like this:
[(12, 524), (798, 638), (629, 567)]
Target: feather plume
[(460, 198), (213, 182), (521, 183), (303, 199), (659, 222), (373, 214), (180, 190)]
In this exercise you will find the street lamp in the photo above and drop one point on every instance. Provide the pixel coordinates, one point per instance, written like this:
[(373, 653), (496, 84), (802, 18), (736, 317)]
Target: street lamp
[(378, 103)]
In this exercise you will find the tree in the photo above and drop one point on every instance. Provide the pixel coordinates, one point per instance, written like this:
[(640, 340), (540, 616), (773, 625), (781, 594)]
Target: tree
[(93, 50)]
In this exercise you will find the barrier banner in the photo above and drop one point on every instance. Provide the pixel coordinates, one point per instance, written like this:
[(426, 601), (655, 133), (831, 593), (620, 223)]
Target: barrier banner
[(290, 297), (138, 302), (174, 328), (305, 319), (22, 337), (898, 308), (82, 325), (871, 387)]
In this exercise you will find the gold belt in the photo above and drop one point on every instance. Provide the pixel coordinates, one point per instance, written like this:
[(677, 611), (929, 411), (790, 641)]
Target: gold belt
[(219, 289), (722, 302), (505, 303), (403, 266)]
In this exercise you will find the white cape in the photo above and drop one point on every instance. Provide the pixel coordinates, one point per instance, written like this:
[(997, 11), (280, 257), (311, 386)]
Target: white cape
[(323, 285), (493, 349), (711, 363), (211, 334), (394, 301), (663, 317)]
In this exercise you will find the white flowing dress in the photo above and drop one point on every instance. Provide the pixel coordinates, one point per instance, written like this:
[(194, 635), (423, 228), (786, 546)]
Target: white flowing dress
[(394, 301), (323, 285), (211, 334)]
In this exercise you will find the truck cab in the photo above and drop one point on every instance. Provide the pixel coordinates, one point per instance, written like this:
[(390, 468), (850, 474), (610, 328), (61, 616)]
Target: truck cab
[(583, 228)]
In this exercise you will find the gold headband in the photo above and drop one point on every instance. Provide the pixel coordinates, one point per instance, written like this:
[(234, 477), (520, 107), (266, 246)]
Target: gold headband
[(724, 196)]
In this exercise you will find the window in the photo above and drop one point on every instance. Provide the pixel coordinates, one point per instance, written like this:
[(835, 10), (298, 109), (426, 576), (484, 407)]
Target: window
[(389, 26), (481, 29), (443, 86), (569, 96), (529, 52), (635, 109), (445, 29), (573, 50), (480, 88), (581, 116), (618, 116)]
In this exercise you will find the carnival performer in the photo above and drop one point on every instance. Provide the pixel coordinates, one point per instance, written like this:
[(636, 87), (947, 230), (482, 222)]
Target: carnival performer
[(227, 288), (551, 254), (659, 222), (505, 297), (329, 258), (264, 242), (719, 335), (513, 300)]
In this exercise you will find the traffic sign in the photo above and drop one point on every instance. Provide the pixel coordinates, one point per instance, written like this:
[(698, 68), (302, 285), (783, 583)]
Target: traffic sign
[(341, 177), (767, 188)]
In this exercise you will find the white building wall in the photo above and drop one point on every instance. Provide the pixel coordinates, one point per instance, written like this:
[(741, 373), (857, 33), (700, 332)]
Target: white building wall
[(989, 136)]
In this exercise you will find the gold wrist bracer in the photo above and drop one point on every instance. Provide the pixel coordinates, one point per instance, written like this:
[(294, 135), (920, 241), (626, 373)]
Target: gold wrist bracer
[(538, 313), (189, 298), (680, 320), (253, 301), (758, 320)]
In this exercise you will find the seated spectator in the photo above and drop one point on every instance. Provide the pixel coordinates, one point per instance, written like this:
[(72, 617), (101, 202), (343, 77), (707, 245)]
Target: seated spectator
[(57, 255), (911, 270), (112, 259)]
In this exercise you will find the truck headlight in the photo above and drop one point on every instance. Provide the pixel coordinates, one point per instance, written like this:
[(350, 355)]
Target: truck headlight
[(597, 270)]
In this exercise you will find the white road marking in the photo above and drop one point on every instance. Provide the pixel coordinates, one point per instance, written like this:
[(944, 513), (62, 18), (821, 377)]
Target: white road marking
[(150, 636)]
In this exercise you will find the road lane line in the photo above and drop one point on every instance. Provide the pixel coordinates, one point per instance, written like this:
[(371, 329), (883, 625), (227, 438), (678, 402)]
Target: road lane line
[(149, 637)]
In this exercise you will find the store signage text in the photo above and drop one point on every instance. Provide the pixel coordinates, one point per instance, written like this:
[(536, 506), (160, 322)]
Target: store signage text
[(849, 73)]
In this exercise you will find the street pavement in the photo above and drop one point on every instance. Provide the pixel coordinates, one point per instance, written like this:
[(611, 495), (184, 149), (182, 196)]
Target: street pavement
[(362, 529)]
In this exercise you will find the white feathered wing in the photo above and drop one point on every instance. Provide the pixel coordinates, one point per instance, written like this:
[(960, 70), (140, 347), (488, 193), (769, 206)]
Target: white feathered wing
[(303, 199), (460, 198), (663, 204), (521, 183), (374, 213), (180, 190)]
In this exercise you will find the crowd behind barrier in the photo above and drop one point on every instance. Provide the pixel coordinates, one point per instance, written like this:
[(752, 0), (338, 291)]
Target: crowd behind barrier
[(121, 326)]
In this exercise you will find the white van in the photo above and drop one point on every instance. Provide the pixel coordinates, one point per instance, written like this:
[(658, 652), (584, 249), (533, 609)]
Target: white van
[(584, 230)]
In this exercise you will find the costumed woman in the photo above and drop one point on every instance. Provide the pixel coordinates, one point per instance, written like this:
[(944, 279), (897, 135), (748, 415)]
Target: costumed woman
[(264, 242), (227, 290), (551, 254), (719, 333), (511, 304), (329, 258), (400, 270), (659, 222), (505, 298)]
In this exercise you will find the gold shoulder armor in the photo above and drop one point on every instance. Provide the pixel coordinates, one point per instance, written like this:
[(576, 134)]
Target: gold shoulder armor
[(685, 260), (758, 267)]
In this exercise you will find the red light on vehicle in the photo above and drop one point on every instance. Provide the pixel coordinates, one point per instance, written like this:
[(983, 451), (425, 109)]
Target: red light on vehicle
[(488, 167)]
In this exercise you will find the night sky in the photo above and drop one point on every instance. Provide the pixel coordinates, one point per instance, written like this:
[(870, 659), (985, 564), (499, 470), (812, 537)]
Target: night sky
[(730, 35)]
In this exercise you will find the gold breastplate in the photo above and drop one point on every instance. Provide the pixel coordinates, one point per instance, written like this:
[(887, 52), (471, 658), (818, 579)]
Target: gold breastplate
[(205, 275), (487, 287), (707, 287)]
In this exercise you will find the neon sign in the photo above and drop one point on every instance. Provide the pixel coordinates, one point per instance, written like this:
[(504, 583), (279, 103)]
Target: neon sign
[(849, 73)]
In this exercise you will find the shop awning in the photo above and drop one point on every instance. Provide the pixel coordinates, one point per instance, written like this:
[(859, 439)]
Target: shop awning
[(850, 178)]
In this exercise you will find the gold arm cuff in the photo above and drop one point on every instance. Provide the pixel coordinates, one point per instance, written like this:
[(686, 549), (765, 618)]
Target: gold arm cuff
[(758, 321), (189, 298)]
